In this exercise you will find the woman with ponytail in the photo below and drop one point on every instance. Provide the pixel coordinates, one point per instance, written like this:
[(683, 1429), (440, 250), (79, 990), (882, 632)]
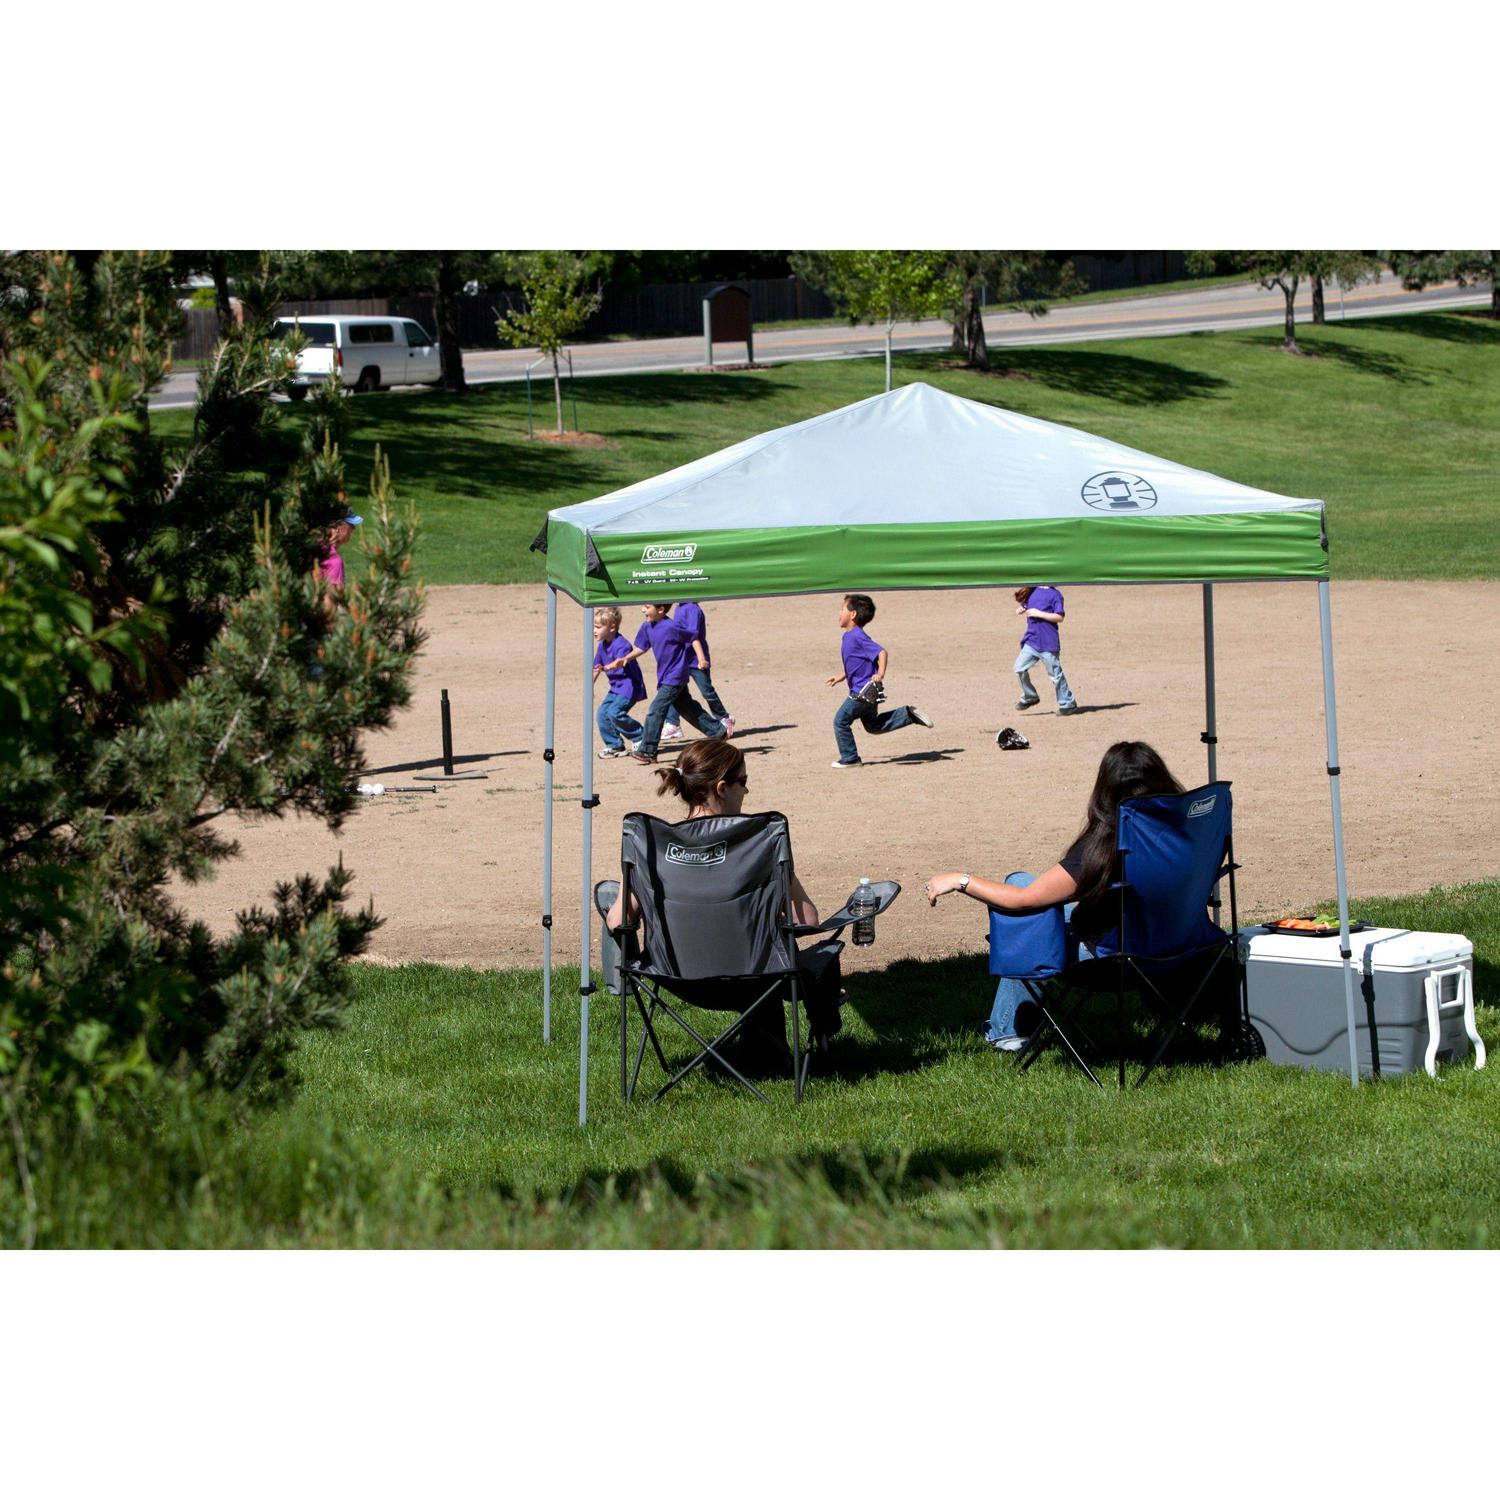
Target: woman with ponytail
[(1084, 874), (711, 781)]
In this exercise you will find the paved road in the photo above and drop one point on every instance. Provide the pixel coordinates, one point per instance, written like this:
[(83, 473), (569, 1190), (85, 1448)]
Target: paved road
[(1244, 306)]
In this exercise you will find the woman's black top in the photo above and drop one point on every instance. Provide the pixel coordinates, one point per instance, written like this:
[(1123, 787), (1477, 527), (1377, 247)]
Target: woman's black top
[(1091, 919)]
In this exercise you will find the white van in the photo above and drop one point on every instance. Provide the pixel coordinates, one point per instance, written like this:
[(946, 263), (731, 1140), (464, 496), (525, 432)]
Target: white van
[(368, 353)]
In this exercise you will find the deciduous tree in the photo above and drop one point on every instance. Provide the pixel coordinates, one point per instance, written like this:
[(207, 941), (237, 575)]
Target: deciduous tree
[(1419, 269), (559, 299), (879, 286)]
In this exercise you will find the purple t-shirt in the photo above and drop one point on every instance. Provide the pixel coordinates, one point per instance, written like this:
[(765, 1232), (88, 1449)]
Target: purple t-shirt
[(626, 682), (1041, 635), (690, 617), (672, 646), (861, 657)]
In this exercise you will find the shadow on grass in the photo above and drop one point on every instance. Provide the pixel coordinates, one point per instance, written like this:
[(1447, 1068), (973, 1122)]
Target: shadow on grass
[(1358, 360), (1475, 327), (1123, 378), (714, 390), (854, 1177)]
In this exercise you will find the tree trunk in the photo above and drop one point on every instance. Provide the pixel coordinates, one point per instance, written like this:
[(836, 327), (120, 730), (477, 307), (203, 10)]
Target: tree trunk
[(1317, 295), (451, 354), (978, 350), (557, 391), (222, 304), (1289, 339), (1495, 283), (888, 355)]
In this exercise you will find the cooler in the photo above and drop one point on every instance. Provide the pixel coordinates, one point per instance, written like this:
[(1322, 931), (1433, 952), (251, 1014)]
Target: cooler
[(1413, 999)]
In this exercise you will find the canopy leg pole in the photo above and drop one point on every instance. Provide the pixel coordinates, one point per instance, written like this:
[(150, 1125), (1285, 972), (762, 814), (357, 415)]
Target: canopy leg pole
[(1330, 719), (548, 756), (590, 801), (1210, 735)]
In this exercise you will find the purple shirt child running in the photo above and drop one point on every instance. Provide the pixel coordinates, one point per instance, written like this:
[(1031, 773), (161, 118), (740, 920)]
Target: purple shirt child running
[(672, 646), (861, 656), (691, 618), (625, 682), (1041, 635)]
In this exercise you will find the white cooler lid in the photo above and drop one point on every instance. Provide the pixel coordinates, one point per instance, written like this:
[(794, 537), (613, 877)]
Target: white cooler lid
[(1382, 948)]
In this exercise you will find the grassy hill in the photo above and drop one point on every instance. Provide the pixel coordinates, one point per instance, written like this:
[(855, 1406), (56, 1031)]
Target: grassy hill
[(1392, 421)]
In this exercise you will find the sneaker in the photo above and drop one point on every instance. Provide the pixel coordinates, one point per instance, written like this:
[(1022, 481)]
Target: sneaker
[(645, 760), (728, 722), (672, 732), (1009, 1043), (844, 765), (1028, 702), (1064, 712), (924, 720), (607, 754)]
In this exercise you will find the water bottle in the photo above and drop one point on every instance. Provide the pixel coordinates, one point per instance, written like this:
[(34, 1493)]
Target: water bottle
[(862, 908)]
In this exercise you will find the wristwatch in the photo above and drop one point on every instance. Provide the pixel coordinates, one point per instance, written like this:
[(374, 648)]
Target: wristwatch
[(963, 883)]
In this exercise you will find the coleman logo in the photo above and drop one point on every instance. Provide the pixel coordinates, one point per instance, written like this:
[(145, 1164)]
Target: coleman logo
[(1118, 491), (1201, 806), (711, 854), (670, 552)]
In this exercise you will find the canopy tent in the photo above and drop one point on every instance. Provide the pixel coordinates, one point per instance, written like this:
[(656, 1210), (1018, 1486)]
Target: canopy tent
[(918, 488)]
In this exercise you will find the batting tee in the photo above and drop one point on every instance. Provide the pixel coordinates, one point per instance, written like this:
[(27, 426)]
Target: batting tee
[(919, 489)]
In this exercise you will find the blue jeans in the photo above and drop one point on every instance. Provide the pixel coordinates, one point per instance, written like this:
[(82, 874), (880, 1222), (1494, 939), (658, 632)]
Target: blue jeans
[(676, 695), (1053, 663), (852, 709), (1014, 1012), (615, 723), (705, 685)]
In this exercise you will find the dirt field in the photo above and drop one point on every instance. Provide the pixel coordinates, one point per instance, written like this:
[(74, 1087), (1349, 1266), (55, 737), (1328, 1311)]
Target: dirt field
[(457, 874)]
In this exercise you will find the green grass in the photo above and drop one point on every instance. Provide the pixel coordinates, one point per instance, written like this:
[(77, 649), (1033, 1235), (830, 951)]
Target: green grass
[(1392, 422), (438, 1117)]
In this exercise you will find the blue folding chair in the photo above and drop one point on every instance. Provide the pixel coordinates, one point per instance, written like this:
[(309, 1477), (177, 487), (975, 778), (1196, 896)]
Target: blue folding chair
[(1174, 853)]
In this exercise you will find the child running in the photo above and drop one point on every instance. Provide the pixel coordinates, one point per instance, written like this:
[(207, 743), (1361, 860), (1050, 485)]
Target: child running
[(1041, 606), (865, 663), (689, 614), (674, 648), (626, 685)]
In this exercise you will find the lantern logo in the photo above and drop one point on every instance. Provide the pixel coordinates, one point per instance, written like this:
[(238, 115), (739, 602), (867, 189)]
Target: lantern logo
[(1118, 491), (670, 552)]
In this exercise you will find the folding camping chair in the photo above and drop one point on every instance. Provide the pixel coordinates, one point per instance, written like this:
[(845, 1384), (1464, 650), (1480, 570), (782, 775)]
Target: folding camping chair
[(1174, 853), (716, 931)]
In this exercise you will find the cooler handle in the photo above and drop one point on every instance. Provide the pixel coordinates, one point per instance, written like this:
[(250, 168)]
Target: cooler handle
[(1437, 1007)]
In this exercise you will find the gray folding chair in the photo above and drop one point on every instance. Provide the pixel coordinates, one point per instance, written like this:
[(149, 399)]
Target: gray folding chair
[(716, 931)]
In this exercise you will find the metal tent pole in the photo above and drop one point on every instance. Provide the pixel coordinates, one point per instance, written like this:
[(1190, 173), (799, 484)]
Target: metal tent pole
[(1210, 735), (548, 756), (590, 802), (1330, 719)]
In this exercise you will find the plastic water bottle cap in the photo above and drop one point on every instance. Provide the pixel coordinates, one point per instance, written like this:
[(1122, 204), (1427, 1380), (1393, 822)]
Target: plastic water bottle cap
[(864, 880)]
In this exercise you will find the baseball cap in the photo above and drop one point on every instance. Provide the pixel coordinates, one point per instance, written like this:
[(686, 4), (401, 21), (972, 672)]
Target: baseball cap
[(354, 520)]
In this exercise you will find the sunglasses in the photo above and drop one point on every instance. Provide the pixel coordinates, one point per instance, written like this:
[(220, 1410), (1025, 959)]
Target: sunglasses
[(741, 780)]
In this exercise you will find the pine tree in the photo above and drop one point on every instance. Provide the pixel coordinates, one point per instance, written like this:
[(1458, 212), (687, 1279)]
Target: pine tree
[(166, 660)]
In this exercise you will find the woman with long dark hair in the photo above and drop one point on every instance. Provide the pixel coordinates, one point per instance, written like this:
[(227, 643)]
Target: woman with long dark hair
[(711, 779), (1083, 875)]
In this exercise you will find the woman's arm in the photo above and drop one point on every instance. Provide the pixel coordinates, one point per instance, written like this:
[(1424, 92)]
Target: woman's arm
[(803, 910), (1050, 887), (615, 918)]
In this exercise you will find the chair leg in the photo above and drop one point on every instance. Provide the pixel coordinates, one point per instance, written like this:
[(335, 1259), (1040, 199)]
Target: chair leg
[(1174, 1019), (709, 1049), (799, 1075)]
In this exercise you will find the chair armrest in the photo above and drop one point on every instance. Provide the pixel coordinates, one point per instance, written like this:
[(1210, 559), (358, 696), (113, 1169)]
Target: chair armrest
[(1028, 945)]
